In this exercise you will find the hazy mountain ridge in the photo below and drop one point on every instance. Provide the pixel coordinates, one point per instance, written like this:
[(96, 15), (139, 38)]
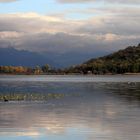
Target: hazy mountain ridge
[(11, 56)]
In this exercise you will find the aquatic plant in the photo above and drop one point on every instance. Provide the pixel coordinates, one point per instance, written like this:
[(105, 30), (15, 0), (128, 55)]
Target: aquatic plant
[(29, 96)]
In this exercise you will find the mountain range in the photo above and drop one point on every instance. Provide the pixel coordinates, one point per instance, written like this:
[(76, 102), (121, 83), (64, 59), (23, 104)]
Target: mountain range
[(13, 57)]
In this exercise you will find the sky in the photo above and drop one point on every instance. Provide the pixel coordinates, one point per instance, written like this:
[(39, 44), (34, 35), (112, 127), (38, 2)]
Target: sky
[(62, 26)]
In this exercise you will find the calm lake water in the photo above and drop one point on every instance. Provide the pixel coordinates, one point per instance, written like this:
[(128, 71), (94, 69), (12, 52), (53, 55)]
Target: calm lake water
[(93, 108)]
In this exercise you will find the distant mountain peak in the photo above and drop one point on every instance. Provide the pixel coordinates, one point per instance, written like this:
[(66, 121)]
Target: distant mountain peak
[(14, 57)]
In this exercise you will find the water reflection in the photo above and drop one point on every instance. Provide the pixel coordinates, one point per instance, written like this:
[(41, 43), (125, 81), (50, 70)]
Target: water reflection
[(95, 115), (88, 119)]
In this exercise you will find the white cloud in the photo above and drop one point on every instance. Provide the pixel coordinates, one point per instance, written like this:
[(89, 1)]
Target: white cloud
[(10, 35), (75, 1), (36, 32), (108, 1), (5, 1)]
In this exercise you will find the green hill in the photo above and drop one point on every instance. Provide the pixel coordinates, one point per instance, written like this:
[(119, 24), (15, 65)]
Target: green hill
[(123, 61)]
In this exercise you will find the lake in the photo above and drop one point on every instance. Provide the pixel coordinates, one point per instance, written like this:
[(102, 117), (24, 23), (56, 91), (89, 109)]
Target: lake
[(87, 108)]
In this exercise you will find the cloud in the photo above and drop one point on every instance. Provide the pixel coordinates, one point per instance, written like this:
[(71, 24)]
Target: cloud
[(75, 1), (114, 29), (6, 1), (108, 1), (9, 35), (35, 23)]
